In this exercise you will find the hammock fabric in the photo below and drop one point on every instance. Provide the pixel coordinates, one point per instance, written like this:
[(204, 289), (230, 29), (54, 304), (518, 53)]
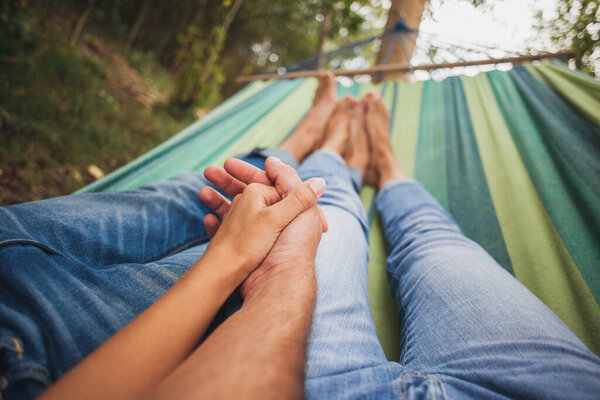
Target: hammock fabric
[(514, 156)]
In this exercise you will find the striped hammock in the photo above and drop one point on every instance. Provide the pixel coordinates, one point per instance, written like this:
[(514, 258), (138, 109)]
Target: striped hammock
[(514, 156)]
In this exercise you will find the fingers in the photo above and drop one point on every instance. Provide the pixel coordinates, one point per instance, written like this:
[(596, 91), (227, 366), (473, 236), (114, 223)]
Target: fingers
[(246, 173), (211, 225), (285, 177), (304, 196), (221, 179), (214, 200), (233, 179), (268, 194)]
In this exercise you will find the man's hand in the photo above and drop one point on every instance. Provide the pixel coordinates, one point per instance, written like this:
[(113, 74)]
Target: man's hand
[(253, 221)]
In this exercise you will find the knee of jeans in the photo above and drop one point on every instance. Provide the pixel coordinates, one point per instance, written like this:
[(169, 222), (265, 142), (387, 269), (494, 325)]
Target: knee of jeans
[(426, 223), (20, 375), (342, 214)]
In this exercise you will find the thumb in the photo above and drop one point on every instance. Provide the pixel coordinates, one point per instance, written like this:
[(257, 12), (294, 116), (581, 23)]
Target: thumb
[(284, 176), (304, 196)]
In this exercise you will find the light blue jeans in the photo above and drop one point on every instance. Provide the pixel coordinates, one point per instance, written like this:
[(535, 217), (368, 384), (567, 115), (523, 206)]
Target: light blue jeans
[(76, 269), (469, 328)]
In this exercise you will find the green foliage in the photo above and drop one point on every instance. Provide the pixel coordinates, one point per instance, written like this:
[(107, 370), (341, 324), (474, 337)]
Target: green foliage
[(205, 59), (577, 27), (15, 27), (199, 79), (58, 115), (341, 16)]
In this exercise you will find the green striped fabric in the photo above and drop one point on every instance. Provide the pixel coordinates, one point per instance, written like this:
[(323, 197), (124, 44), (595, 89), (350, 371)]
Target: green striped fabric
[(514, 156)]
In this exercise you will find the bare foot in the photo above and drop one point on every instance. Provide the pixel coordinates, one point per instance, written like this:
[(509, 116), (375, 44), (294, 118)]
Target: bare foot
[(358, 152), (383, 166), (308, 135), (337, 131)]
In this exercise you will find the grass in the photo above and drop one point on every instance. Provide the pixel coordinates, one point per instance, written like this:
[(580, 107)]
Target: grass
[(59, 114)]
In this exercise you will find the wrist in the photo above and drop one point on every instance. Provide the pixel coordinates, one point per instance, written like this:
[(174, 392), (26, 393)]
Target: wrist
[(288, 280), (230, 270)]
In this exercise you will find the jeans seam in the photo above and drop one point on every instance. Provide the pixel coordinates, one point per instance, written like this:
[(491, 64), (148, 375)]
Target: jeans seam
[(403, 375), (20, 375), (179, 247), (31, 242), (35, 364)]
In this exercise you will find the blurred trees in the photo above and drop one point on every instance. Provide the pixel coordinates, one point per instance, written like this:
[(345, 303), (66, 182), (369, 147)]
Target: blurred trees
[(575, 25), (198, 75), (15, 28), (205, 43)]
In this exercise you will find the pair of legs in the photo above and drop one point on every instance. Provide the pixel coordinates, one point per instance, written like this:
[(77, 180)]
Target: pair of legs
[(469, 328)]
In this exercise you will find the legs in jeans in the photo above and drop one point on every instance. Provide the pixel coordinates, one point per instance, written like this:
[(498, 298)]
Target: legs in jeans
[(469, 329), (76, 269), (468, 322), (345, 358)]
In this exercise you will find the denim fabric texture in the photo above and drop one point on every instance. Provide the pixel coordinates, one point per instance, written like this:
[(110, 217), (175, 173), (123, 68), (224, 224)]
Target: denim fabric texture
[(75, 269), (469, 328)]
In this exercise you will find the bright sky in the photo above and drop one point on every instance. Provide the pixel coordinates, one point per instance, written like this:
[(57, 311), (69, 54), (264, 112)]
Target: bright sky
[(461, 32), (498, 28)]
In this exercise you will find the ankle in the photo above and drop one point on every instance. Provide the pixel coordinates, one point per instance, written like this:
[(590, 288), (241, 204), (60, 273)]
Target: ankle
[(388, 170), (333, 146)]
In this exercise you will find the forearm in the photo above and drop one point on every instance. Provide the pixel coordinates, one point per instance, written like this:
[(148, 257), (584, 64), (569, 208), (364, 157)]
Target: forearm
[(259, 352), (151, 346)]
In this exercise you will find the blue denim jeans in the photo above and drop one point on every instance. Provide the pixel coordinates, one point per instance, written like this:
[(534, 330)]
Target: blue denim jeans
[(76, 269), (469, 328)]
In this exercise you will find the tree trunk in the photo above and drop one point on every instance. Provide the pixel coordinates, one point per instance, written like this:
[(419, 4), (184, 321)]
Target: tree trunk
[(231, 15), (81, 22), (135, 29), (322, 38), (195, 21), (411, 11), (214, 56)]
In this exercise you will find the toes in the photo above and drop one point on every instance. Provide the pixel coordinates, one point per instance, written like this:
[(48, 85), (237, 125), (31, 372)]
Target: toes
[(372, 104), (348, 103), (326, 82), (340, 107), (352, 102), (380, 107), (371, 98), (327, 78), (326, 88)]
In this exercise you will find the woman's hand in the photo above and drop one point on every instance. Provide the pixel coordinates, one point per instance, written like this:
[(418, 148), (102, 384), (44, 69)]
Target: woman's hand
[(253, 221)]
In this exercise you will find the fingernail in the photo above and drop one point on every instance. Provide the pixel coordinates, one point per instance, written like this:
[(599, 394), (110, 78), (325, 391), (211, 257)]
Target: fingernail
[(317, 185), (276, 159)]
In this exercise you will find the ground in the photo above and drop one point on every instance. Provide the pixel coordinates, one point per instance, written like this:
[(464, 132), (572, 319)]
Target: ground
[(69, 114)]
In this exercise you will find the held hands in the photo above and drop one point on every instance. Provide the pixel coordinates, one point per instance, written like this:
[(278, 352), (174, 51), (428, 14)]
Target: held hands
[(254, 220)]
